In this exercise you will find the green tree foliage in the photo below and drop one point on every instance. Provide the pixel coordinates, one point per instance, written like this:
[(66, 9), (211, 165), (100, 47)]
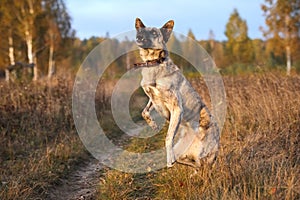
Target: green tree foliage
[(210, 45), (189, 51), (259, 49), (238, 47), (187, 45), (175, 44), (283, 23), (214, 48)]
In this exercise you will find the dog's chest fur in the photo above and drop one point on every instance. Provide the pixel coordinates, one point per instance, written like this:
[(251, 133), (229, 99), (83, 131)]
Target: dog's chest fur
[(157, 83), (160, 84), (151, 54)]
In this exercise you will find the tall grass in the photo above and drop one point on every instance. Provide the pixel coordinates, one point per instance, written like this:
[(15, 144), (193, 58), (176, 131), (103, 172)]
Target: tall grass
[(259, 155), (38, 140)]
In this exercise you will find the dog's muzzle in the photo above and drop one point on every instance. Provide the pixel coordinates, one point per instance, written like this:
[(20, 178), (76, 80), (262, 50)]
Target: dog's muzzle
[(143, 42)]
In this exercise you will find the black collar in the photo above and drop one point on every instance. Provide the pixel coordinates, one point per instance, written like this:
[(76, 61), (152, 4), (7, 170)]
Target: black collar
[(152, 63), (149, 63)]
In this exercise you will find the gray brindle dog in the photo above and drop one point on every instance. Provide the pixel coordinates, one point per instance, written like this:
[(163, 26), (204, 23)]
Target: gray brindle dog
[(193, 134)]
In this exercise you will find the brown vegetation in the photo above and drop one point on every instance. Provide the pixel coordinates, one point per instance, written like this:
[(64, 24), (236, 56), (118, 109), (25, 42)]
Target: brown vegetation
[(259, 157), (38, 140)]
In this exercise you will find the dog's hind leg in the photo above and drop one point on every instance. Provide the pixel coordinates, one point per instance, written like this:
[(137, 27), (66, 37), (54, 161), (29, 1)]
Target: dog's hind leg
[(146, 115)]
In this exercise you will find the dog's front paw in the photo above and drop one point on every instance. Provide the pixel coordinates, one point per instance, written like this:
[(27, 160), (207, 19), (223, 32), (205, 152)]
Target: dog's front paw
[(169, 165), (170, 159)]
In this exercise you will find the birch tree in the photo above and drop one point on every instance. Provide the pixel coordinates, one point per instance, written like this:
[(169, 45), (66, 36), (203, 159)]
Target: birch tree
[(283, 21), (59, 28), (26, 12), (7, 22)]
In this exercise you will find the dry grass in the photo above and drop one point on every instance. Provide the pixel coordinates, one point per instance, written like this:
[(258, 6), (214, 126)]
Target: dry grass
[(259, 156), (38, 140)]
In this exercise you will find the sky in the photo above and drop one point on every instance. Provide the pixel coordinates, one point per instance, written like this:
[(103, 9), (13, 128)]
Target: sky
[(99, 17)]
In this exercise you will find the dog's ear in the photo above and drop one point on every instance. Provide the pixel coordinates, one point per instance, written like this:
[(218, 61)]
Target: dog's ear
[(139, 24), (166, 30)]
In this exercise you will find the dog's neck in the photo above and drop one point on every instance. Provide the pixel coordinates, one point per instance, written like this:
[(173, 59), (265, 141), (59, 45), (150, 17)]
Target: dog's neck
[(152, 57)]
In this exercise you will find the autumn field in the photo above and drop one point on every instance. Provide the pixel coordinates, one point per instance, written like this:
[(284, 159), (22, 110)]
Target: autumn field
[(259, 156), (38, 140), (44, 44)]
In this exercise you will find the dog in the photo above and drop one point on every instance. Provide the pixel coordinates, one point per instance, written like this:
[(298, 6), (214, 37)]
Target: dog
[(193, 134)]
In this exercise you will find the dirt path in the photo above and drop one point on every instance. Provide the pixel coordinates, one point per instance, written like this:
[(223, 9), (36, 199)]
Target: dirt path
[(84, 181), (81, 184)]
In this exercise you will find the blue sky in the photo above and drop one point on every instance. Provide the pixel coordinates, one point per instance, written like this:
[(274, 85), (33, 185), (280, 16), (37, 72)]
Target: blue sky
[(97, 17)]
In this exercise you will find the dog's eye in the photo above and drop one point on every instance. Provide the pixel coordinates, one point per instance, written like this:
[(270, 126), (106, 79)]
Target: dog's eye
[(154, 34)]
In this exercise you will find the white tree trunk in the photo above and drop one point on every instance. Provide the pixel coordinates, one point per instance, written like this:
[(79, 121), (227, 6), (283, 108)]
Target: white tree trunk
[(35, 70), (7, 75), (10, 55), (11, 50), (30, 56), (29, 46), (288, 45), (51, 61), (288, 60)]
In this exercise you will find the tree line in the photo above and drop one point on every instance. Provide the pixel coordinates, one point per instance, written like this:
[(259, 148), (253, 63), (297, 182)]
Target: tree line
[(279, 49), (38, 34)]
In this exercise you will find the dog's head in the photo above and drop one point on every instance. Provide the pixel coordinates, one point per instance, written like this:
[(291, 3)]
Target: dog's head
[(153, 38)]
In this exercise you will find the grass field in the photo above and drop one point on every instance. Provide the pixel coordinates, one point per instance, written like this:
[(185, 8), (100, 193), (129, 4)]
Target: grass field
[(259, 155), (38, 140)]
